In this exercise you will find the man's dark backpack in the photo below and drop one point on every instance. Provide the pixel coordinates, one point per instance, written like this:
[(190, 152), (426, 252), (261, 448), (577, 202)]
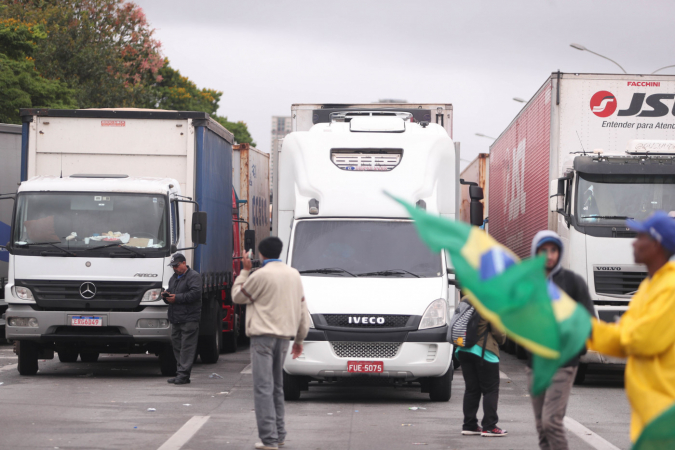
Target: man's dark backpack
[(464, 327)]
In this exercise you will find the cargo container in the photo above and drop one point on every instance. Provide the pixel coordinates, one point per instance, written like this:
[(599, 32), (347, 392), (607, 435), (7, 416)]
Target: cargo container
[(587, 152), (112, 195), (251, 178)]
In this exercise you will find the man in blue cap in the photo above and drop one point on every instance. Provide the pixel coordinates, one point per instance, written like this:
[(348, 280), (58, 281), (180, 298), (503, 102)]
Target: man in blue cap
[(645, 334)]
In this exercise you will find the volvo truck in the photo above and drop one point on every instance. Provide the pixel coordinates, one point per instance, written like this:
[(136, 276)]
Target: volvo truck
[(380, 300), (106, 198), (587, 152)]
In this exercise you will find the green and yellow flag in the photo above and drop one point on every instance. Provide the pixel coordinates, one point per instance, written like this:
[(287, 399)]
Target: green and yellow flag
[(659, 434), (513, 295)]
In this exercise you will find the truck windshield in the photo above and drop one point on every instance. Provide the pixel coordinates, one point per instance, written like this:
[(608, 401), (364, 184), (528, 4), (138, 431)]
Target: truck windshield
[(362, 248), (86, 221), (612, 198)]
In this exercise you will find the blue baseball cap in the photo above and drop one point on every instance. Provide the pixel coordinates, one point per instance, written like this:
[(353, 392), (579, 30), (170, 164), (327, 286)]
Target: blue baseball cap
[(660, 226)]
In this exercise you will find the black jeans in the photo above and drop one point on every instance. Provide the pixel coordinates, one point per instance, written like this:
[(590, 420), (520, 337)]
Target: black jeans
[(480, 379)]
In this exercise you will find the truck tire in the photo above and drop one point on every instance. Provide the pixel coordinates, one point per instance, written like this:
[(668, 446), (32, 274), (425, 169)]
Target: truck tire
[(167, 361), (89, 357), (581, 374), (208, 346), (440, 388), (292, 387), (231, 339), (28, 357), (67, 356)]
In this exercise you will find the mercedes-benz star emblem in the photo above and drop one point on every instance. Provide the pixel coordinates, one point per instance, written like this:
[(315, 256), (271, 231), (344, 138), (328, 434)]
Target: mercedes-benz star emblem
[(87, 290)]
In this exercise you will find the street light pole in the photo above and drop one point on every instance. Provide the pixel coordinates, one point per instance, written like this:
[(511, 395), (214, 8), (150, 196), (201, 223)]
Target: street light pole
[(518, 99), (584, 49), (485, 136), (658, 70)]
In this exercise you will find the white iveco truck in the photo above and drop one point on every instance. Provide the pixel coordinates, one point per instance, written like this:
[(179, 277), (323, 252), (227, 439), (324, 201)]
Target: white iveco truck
[(379, 299)]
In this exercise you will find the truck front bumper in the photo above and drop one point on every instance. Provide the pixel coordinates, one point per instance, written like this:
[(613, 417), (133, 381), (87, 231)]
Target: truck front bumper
[(55, 326), (412, 360), (593, 357)]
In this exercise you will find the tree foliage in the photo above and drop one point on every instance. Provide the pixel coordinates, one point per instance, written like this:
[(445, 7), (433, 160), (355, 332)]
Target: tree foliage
[(93, 54), (20, 83)]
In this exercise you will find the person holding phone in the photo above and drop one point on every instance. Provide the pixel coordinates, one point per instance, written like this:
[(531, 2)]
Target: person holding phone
[(276, 313), (184, 297)]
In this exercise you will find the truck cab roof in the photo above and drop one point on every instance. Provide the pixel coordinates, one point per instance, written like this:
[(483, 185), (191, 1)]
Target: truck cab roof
[(96, 183)]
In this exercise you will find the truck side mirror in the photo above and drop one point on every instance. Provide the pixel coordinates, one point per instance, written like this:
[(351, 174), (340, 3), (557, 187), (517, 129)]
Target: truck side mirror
[(476, 207), (198, 227), (556, 192), (249, 240)]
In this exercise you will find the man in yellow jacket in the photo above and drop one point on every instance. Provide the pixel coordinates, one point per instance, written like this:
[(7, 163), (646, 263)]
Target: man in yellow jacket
[(645, 335)]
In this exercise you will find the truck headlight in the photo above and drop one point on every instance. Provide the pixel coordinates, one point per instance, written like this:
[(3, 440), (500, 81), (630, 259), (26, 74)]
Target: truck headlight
[(23, 293), (31, 322), (152, 295), (435, 315), (152, 323)]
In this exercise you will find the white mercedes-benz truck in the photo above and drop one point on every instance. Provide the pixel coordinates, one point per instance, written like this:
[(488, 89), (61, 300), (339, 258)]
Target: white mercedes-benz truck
[(106, 198), (379, 299)]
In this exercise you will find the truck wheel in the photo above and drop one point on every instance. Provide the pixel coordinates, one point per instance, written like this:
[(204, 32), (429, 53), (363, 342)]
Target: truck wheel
[(89, 357), (67, 356), (455, 362), (440, 388), (209, 345), (28, 357), (521, 353), (581, 374), (231, 339), (167, 361), (293, 385)]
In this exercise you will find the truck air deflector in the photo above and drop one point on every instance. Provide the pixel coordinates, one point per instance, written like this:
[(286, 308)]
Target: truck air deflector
[(366, 159), (625, 165)]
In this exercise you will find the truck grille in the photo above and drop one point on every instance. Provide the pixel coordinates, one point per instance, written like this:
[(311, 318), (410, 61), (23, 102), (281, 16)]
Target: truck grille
[(380, 350), (109, 294), (367, 160), (617, 283), (343, 320)]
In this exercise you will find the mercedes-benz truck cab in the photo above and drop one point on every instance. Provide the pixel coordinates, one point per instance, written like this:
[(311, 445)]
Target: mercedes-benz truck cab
[(379, 299)]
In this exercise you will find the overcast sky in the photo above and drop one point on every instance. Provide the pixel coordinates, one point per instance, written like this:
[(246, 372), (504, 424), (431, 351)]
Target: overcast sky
[(477, 55)]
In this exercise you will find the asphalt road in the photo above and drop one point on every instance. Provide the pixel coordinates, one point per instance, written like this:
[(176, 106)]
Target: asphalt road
[(105, 405)]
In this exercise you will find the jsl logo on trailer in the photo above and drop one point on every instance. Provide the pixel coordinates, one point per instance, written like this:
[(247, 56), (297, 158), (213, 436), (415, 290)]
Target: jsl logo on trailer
[(604, 104)]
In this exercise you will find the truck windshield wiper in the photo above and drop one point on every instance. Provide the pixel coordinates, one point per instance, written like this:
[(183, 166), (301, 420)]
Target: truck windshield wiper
[(53, 244), (117, 245), (388, 272), (606, 217), (328, 270)]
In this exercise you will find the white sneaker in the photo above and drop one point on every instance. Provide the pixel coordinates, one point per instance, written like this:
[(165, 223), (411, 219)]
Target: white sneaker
[(261, 446)]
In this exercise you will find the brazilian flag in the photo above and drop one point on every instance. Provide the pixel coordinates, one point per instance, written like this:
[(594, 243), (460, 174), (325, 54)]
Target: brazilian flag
[(659, 434), (514, 295)]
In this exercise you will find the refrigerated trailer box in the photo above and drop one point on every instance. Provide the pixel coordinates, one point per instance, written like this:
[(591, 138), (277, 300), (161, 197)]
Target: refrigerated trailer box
[(10, 170), (585, 153), (111, 194), (251, 178)]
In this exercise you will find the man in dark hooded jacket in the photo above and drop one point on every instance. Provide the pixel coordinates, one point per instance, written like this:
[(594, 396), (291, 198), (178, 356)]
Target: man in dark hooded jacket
[(185, 310), (550, 407)]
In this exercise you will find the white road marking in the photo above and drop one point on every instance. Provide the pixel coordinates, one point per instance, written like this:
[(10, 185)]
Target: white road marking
[(185, 433), (9, 367), (247, 370), (591, 438), (503, 376)]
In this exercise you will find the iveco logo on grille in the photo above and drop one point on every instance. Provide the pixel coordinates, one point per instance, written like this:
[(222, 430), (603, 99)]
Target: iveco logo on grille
[(146, 275), (608, 268), (367, 320), (87, 290)]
